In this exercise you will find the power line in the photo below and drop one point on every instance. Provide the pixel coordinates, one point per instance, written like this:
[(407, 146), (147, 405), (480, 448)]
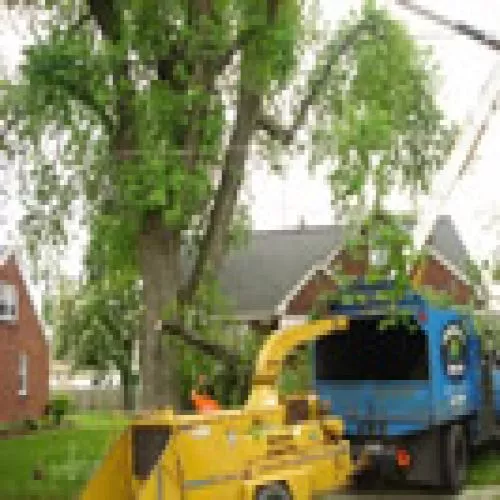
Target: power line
[(483, 38), (459, 27)]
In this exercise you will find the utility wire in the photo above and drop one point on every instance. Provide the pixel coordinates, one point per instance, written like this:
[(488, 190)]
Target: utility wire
[(464, 29), (459, 27)]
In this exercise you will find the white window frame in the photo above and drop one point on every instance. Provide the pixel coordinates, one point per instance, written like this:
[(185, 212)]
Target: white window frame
[(378, 257), (23, 374), (9, 296)]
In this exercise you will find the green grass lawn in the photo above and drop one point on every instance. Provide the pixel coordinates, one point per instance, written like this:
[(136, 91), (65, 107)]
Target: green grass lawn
[(485, 469), (66, 458)]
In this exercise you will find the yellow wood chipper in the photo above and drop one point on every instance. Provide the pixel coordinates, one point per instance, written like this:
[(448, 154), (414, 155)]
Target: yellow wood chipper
[(269, 448)]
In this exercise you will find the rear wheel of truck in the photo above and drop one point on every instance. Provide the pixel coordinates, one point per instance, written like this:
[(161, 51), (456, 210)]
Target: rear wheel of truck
[(273, 491), (454, 458)]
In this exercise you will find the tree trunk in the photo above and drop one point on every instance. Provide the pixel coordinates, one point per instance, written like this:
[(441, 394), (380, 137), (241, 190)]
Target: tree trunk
[(127, 389), (127, 379), (159, 260)]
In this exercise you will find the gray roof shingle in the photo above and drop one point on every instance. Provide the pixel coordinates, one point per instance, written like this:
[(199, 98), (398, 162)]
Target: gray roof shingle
[(445, 239), (257, 276)]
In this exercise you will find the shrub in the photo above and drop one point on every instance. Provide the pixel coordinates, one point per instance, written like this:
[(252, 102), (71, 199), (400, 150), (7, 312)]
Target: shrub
[(30, 424), (58, 407)]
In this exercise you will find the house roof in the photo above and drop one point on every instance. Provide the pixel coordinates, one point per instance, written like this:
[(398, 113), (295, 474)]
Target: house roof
[(6, 252), (444, 238), (259, 275)]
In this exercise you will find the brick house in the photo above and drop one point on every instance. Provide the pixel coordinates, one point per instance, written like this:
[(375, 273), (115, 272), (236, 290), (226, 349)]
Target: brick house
[(24, 352), (275, 279)]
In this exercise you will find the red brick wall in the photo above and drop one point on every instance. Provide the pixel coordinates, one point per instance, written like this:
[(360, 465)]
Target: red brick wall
[(24, 335), (352, 265), (303, 302), (434, 275)]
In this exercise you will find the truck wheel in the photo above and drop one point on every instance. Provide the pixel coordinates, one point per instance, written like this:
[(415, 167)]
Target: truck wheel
[(273, 491), (454, 446)]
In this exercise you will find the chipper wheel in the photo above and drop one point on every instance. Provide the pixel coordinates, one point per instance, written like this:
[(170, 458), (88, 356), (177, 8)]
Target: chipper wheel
[(273, 491)]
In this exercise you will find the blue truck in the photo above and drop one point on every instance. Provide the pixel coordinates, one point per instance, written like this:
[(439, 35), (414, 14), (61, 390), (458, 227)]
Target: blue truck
[(419, 392)]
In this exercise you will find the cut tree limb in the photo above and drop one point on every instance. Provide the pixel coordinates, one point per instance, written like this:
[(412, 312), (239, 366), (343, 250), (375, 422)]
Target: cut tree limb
[(194, 339)]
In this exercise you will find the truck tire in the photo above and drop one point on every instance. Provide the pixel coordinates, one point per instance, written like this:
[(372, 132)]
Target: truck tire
[(273, 491), (454, 458)]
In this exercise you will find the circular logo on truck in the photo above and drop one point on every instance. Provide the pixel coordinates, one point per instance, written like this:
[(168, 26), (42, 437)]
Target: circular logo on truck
[(454, 349)]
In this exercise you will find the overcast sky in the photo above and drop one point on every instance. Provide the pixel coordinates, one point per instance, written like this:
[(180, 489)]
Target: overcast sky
[(465, 66)]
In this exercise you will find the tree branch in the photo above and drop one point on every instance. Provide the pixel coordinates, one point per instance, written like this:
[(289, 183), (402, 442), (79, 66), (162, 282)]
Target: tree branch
[(212, 246), (81, 94), (244, 37), (316, 84)]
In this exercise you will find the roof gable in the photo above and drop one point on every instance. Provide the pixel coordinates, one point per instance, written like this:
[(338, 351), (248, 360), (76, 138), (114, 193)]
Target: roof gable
[(445, 241), (444, 238), (257, 276), (12, 256)]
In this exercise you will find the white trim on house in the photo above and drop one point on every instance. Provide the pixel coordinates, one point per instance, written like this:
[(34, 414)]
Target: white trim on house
[(324, 264), (449, 265), (321, 265), (328, 271), (291, 320)]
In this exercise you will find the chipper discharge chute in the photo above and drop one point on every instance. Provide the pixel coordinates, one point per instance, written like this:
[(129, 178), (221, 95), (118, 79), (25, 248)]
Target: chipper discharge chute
[(268, 448)]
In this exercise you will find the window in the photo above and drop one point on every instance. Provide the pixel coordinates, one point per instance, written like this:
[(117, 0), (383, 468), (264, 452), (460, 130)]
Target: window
[(23, 374), (8, 302), (379, 257)]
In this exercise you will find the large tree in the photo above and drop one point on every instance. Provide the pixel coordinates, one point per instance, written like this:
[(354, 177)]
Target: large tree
[(156, 107)]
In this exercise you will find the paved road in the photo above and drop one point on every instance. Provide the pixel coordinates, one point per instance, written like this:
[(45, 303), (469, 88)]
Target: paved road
[(392, 493), (489, 493)]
